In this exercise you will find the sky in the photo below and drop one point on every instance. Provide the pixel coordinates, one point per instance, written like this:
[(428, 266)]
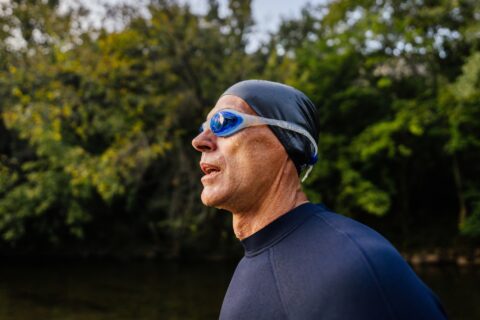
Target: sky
[(266, 13)]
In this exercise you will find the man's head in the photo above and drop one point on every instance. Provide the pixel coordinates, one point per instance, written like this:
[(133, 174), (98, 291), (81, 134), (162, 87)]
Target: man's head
[(241, 168)]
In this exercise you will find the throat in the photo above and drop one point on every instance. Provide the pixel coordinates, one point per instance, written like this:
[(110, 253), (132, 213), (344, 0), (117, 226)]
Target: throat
[(247, 223), (268, 203)]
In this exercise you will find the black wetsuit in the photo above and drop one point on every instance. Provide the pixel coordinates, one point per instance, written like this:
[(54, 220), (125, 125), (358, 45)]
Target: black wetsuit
[(314, 264)]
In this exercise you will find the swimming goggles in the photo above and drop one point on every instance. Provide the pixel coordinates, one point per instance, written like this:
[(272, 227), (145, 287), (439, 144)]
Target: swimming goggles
[(227, 122)]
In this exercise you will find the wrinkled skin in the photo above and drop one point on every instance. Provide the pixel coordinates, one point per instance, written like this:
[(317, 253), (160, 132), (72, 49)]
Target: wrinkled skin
[(252, 175)]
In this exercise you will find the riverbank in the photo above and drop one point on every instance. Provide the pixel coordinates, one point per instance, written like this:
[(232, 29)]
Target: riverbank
[(461, 257), (444, 256)]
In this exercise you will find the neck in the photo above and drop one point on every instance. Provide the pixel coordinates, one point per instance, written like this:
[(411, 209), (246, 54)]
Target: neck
[(281, 197)]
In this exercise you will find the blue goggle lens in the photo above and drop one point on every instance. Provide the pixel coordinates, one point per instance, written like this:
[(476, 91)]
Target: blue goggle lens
[(224, 123)]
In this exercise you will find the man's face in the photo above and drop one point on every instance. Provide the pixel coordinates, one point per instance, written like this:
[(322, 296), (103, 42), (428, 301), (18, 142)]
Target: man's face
[(239, 169)]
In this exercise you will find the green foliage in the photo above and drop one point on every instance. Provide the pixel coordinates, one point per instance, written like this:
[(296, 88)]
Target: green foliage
[(383, 75), (96, 125), (461, 107), (96, 122)]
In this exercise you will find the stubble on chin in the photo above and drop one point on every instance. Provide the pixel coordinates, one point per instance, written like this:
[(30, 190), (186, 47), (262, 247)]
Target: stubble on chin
[(216, 199), (206, 200), (209, 198)]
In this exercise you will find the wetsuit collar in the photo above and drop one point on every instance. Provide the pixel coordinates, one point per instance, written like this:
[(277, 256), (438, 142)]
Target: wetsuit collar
[(278, 229)]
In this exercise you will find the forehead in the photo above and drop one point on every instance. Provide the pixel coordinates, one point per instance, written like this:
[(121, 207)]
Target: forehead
[(231, 102)]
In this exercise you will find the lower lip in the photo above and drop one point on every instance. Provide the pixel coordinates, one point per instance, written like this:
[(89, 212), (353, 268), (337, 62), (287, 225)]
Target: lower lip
[(210, 176)]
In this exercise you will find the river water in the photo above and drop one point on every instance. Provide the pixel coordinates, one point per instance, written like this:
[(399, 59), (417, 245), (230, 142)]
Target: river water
[(165, 290)]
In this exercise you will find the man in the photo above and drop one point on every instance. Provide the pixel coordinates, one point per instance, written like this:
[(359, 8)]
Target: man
[(301, 260)]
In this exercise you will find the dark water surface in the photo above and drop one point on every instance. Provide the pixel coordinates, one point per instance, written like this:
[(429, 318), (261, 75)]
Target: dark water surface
[(165, 290), (94, 291), (457, 287)]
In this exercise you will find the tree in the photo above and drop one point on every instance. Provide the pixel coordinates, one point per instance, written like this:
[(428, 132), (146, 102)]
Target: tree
[(378, 70), (106, 119)]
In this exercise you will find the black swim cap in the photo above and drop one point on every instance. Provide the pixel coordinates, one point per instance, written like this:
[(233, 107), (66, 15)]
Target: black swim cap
[(278, 101)]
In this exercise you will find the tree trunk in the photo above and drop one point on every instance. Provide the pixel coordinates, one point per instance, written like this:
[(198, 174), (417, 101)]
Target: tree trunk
[(462, 214)]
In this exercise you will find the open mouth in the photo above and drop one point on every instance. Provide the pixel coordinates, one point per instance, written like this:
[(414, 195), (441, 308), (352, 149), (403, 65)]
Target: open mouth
[(209, 169)]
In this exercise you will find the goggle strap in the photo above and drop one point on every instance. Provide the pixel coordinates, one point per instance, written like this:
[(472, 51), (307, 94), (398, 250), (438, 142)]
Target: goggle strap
[(256, 120), (292, 127), (305, 176)]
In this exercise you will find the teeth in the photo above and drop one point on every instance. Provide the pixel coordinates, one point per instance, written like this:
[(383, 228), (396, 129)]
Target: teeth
[(208, 169)]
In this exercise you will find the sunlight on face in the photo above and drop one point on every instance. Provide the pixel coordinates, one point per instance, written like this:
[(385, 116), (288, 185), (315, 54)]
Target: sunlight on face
[(239, 169)]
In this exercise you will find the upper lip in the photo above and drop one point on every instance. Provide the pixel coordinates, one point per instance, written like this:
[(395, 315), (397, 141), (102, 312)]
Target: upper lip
[(208, 168)]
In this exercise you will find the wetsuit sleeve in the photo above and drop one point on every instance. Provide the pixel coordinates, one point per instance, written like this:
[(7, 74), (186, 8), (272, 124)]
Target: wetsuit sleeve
[(349, 274)]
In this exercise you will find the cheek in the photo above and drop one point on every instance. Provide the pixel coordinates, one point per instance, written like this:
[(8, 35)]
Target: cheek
[(256, 158)]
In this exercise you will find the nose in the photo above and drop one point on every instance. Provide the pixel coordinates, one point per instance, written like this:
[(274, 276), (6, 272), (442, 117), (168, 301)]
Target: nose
[(205, 141)]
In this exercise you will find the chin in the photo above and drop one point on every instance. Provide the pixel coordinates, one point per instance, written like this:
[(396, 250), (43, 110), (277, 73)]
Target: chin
[(210, 198)]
